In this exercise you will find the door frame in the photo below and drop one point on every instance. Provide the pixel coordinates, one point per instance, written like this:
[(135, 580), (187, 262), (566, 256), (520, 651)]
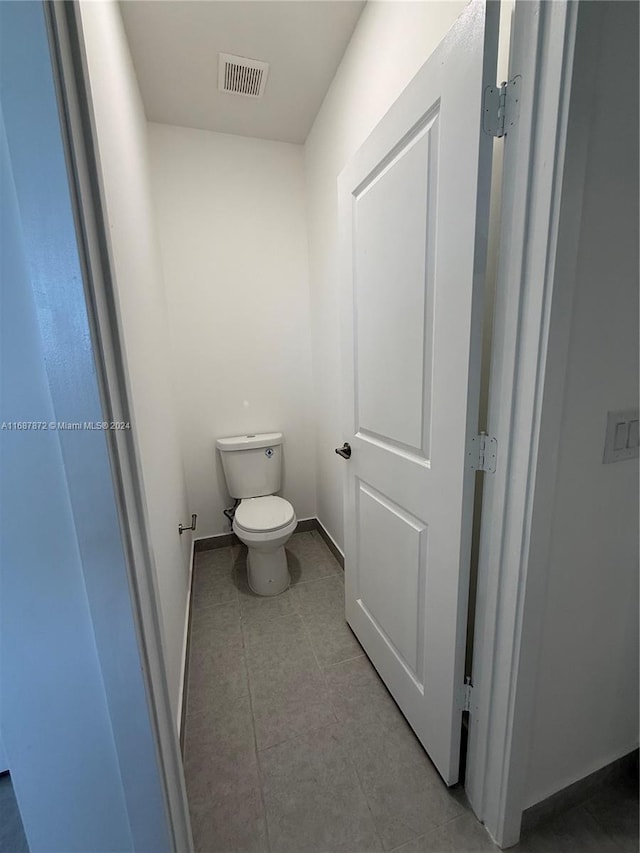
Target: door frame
[(529, 357), (71, 79)]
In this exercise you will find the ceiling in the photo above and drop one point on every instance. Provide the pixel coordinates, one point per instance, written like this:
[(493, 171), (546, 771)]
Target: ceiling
[(175, 46)]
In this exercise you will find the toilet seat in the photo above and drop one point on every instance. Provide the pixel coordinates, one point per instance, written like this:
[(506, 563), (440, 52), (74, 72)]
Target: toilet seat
[(262, 515)]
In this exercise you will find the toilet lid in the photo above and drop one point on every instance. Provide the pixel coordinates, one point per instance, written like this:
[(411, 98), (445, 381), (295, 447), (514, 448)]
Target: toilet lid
[(262, 514)]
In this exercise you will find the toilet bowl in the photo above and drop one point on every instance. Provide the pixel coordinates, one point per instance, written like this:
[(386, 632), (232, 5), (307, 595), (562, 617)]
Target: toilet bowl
[(265, 524)]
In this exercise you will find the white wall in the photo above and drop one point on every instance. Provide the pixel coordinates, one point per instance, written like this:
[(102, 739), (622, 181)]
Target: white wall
[(122, 149), (586, 711), (390, 43), (230, 213)]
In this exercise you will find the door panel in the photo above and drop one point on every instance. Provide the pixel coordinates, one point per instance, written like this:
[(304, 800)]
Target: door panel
[(393, 233), (388, 534), (413, 220)]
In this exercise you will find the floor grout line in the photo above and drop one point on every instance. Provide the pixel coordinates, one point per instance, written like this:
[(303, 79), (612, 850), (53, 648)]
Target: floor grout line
[(346, 660), (405, 843), (255, 737), (258, 751), (212, 605), (584, 805), (296, 736), (313, 580), (323, 674), (350, 760), (272, 618), (308, 636)]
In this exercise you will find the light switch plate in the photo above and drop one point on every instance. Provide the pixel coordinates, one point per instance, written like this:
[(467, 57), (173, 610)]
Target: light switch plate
[(621, 440)]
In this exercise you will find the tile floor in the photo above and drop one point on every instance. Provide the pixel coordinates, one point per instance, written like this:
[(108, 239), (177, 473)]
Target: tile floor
[(292, 742)]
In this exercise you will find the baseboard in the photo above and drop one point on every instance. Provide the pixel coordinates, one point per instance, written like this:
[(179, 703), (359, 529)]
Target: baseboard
[(331, 545), (579, 792), (223, 540), (184, 674)]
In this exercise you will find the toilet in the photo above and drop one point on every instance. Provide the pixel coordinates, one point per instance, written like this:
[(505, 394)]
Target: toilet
[(263, 521)]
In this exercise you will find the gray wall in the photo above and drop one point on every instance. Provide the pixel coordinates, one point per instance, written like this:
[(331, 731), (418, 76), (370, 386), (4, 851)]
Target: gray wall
[(586, 710)]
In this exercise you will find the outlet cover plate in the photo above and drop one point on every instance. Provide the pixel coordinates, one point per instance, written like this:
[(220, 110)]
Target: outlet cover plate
[(621, 440)]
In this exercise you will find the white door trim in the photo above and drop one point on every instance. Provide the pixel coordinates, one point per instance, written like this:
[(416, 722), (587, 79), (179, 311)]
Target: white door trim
[(532, 319), (67, 50)]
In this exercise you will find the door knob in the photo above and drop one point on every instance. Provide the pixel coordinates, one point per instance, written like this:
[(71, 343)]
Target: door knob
[(344, 451)]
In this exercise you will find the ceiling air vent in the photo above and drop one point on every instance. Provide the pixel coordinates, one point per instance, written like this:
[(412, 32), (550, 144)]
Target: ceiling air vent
[(241, 76)]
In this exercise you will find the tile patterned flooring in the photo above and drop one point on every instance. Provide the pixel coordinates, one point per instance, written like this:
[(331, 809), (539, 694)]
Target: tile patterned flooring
[(293, 744)]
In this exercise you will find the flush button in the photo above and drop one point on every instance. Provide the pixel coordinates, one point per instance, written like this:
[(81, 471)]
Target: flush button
[(632, 440)]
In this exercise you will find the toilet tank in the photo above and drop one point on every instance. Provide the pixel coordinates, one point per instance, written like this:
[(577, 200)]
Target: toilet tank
[(252, 464)]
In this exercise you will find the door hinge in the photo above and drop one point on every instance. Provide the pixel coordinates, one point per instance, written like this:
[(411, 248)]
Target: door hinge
[(483, 453), (467, 694), (501, 107)]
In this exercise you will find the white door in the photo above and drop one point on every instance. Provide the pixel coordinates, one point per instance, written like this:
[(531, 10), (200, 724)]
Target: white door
[(413, 218)]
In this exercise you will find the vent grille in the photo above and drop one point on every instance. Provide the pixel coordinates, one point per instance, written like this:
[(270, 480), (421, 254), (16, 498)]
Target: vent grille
[(240, 76)]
